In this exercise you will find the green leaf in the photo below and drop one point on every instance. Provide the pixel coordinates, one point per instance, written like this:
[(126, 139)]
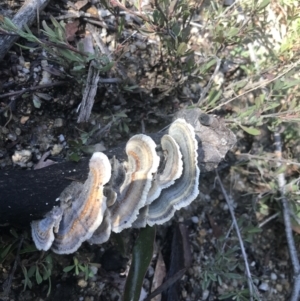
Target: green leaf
[(48, 31), (250, 130), (107, 67), (5, 251), (28, 249), (212, 276), (176, 29), (121, 114), (232, 32), (46, 272), (263, 4), (38, 276), (81, 267), (141, 258), (181, 49), (233, 276), (74, 157), (9, 23), (14, 233), (36, 101), (126, 128), (254, 230), (213, 97), (68, 268), (31, 271)]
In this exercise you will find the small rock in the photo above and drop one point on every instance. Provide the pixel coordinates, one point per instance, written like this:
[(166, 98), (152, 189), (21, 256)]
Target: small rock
[(58, 122), (205, 294), (99, 147), (12, 137), (264, 287), (21, 157), (141, 45), (273, 276), (4, 130), (195, 219), (61, 138), (18, 131), (56, 149), (82, 283), (279, 288), (150, 272), (94, 269)]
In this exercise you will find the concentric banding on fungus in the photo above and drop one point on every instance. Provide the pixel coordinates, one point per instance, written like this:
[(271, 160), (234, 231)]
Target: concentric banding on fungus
[(185, 189), (102, 234), (172, 171), (85, 213), (42, 230), (142, 163)]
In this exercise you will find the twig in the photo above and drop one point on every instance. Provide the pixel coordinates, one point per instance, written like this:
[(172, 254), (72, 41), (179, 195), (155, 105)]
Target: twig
[(266, 158), (248, 273), (89, 93), (261, 85), (32, 89), (268, 220), (287, 223), (208, 86), (7, 284), (120, 5)]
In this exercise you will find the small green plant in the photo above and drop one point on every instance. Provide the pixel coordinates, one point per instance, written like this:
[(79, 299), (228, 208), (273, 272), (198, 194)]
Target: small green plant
[(78, 267), (40, 271), (56, 44), (79, 145), (227, 264), (221, 267)]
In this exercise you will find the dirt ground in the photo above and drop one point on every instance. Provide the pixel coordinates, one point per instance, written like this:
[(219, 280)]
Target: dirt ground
[(41, 121)]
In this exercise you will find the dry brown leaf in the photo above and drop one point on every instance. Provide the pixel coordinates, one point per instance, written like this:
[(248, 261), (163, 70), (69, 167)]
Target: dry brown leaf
[(71, 29), (159, 275), (80, 4), (24, 119), (93, 11)]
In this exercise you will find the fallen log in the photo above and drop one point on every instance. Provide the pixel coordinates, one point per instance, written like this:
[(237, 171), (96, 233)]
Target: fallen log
[(28, 195)]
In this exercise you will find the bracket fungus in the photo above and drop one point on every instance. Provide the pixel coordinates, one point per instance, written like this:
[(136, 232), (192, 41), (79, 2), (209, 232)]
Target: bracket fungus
[(42, 230), (148, 188), (185, 189), (142, 163), (172, 169), (85, 213)]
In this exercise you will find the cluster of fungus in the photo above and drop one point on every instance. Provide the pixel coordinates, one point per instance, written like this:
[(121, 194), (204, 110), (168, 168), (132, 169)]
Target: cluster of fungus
[(147, 189)]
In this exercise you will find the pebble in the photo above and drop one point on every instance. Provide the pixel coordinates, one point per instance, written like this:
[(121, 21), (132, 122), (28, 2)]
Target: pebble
[(205, 294), (58, 122), (12, 137), (56, 149), (18, 131), (273, 276), (21, 157), (264, 286), (279, 288), (94, 269), (195, 219), (4, 130), (150, 271), (82, 283), (141, 45), (61, 138)]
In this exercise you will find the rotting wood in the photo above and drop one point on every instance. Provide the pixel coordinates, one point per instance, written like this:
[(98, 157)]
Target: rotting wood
[(28, 195), (26, 15)]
